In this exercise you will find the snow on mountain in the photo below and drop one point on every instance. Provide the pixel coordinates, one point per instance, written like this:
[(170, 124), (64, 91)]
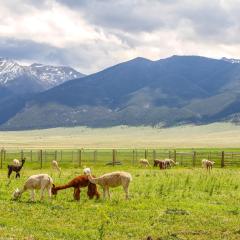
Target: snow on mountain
[(231, 60), (51, 76), (44, 76)]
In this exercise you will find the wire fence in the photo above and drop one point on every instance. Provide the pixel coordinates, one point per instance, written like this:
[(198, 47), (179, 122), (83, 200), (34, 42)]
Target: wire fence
[(83, 157)]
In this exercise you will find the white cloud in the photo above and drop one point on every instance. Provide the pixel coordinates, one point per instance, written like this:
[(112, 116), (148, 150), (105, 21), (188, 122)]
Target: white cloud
[(92, 35)]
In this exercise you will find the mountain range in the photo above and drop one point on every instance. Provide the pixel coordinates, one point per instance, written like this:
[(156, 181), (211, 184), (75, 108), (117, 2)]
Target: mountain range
[(170, 91)]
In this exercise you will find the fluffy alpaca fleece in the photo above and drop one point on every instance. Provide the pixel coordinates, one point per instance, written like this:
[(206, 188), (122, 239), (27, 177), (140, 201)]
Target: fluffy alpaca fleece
[(77, 183), (16, 162), (144, 162), (86, 171), (207, 164), (169, 162), (160, 163), (39, 181), (56, 167), (113, 179)]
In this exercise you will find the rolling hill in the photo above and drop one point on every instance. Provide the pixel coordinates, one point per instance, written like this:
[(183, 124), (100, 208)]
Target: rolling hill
[(171, 91)]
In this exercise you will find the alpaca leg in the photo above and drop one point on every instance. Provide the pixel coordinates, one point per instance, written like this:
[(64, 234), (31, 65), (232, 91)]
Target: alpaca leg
[(33, 195), (49, 192), (17, 175), (42, 193), (108, 192), (125, 188), (9, 172), (104, 193), (77, 194)]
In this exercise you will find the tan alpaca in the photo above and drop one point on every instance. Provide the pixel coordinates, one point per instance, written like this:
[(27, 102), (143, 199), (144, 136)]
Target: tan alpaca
[(207, 164), (144, 163), (113, 179), (40, 181), (56, 167)]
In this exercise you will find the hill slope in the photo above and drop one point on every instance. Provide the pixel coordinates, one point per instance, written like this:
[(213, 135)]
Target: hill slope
[(175, 90)]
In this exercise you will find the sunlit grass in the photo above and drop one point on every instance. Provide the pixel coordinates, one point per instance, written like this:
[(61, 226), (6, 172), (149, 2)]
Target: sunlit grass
[(173, 204)]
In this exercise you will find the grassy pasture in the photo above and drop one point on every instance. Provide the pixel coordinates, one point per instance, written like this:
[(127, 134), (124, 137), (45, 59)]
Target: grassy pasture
[(180, 203), (217, 135)]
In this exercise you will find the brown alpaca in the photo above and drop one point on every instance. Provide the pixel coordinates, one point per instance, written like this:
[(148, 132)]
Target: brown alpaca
[(77, 183), (14, 168), (160, 163)]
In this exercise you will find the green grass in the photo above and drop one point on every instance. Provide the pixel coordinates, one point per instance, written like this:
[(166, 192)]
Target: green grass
[(180, 203)]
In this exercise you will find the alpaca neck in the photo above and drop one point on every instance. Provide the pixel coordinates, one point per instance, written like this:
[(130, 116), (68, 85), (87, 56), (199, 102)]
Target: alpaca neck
[(63, 186), (93, 180)]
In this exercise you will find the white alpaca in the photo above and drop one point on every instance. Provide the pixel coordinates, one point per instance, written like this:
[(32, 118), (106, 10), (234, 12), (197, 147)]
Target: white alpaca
[(16, 162), (207, 164), (169, 162), (144, 162), (113, 179), (86, 171), (56, 167), (40, 181)]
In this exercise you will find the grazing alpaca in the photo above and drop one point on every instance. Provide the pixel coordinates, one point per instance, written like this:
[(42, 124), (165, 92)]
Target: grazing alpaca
[(40, 181), (160, 163), (169, 163), (17, 169), (207, 164), (144, 162), (16, 162), (113, 179), (77, 183), (56, 167)]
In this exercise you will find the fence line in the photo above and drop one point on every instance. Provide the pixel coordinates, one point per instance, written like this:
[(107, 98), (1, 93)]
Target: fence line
[(80, 157)]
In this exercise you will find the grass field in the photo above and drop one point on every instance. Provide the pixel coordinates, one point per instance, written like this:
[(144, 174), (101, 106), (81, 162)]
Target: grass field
[(180, 203), (221, 135)]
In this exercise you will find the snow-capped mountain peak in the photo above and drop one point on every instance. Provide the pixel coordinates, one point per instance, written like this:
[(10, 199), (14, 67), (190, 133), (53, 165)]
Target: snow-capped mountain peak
[(39, 75)]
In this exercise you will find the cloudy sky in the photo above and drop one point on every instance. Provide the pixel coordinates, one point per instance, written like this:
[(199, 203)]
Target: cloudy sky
[(93, 34)]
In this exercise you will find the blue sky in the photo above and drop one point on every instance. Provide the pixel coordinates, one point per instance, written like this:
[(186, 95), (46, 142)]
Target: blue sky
[(91, 35)]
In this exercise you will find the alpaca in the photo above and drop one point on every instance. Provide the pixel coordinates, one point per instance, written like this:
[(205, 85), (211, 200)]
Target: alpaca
[(160, 163), (86, 171), (17, 169), (56, 167), (16, 162), (207, 164), (144, 162), (40, 181), (169, 162), (77, 183), (113, 179)]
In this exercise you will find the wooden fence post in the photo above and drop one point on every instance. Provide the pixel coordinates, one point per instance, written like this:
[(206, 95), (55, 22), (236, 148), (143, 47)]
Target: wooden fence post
[(145, 154), (194, 158), (95, 156), (174, 155), (169, 154), (133, 157), (79, 158), (55, 155), (41, 157), (1, 166), (114, 157), (222, 159), (154, 154)]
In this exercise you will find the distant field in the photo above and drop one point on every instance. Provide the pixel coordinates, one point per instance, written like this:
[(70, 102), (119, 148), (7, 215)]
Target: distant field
[(218, 135), (174, 204)]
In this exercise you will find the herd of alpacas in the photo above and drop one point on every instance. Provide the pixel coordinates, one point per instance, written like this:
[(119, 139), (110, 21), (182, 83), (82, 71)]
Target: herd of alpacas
[(44, 182)]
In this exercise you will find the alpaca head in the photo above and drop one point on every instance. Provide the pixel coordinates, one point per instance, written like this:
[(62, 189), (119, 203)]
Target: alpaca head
[(93, 191), (54, 190), (87, 171), (16, 194)]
